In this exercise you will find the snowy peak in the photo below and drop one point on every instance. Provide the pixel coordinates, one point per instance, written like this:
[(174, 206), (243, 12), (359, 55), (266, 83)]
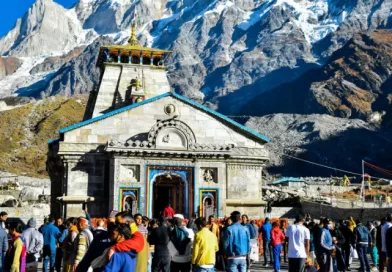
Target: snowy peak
[(46, 29), (225, 52)]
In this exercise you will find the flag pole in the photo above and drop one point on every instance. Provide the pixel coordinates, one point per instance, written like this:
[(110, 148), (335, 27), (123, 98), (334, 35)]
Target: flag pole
[(363, 180)]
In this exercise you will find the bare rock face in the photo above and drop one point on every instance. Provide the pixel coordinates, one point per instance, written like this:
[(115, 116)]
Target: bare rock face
[(47, 28), (54, 63), (331, 141), (29, 194), (80, 75), (354, 83), (8, 201), (225, 53), (8, 65)]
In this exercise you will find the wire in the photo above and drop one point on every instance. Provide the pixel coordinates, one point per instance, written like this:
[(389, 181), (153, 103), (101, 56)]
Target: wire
[(325, 166), (321, 165)]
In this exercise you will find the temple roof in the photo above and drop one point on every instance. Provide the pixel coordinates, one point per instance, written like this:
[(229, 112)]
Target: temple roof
[(224, 119), (133, 45)]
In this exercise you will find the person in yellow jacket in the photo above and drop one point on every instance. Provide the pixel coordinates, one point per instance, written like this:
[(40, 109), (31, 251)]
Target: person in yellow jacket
[(205, 246), (214, 228), (351, 224)]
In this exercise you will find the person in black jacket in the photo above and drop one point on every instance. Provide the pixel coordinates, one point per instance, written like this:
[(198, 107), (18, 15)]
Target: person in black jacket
[(348, 243), (389, 248), (160, 238), (339, 241), (379, 244), (317, 233), (97, 247)]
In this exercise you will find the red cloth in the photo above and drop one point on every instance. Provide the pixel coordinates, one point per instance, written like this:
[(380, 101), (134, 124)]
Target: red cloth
[(136, 243), (168, 212), (277, 236)]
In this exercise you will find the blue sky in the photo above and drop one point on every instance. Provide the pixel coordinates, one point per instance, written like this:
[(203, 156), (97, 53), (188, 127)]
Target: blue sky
[(12, 10)]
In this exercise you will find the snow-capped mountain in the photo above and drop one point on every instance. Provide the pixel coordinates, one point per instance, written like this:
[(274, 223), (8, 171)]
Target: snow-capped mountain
[(225, 52)]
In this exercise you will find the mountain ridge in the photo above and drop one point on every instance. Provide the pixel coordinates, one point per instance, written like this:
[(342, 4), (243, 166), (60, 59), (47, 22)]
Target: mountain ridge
[(238, 42)]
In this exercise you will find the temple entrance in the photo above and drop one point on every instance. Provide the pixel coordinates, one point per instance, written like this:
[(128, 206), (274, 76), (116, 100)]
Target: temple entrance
[(168, 189)]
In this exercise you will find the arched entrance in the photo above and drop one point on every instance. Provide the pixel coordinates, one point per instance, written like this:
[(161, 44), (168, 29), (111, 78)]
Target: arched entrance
[(208, 205), (168, 188), (167, 183), (130, 203)]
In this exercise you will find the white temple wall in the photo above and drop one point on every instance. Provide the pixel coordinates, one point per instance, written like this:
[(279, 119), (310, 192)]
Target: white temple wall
[(125, 125)]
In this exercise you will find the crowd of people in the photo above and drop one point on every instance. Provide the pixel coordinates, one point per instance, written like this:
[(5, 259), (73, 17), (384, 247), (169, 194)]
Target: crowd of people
[(129, 242)]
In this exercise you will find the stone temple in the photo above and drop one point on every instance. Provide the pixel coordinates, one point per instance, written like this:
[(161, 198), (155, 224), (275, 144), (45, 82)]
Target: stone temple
[(141, 146)]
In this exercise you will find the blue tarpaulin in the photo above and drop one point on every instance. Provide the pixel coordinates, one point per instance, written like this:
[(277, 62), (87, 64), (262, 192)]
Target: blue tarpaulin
[(286, 179)]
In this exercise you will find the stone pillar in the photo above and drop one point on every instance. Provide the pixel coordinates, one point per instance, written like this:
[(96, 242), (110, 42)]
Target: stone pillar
[(113, 172), (119, 56), (141, 57), (76, 185), (152, 60), (130, 57)]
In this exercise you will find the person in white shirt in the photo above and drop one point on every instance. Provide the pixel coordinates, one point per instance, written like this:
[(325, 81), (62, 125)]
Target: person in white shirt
[(298, 238), (181, 261)]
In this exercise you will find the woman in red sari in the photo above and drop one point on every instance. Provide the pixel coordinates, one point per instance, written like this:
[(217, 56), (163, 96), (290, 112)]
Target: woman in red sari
[(15, 259)]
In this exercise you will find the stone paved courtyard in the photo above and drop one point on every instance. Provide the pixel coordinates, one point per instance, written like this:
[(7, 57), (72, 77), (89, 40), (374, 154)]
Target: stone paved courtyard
[(284, 267)]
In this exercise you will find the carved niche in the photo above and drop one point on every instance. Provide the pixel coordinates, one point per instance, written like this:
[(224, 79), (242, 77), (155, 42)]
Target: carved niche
[(209, 175), (129, 174), (171, 134)]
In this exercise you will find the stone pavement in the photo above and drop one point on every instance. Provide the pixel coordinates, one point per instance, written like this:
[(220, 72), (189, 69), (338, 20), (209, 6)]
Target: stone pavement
[(259, 267), (284, 266)]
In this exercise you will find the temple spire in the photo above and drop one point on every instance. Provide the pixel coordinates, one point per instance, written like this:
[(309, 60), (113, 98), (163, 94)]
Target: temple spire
[(133, 39)]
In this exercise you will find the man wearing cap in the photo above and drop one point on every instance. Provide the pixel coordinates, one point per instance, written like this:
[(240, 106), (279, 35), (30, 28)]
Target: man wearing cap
[(34, 243), (82, 243), (182, 239)]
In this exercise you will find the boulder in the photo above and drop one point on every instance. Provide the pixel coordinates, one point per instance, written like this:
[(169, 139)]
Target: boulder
[(8, 201), (29, 194)]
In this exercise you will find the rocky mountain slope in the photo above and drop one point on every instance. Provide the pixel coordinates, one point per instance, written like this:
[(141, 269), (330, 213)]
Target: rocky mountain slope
[(354, 83), (224, 52), (241, 57), (25, 131), (8, 65), (331, 141)]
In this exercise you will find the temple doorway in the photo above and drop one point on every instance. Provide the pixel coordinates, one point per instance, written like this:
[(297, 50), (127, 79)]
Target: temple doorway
[(168, 189)]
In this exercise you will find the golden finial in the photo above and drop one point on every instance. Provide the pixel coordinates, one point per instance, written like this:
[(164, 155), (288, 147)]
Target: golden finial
[(138, 84), (133, 40)]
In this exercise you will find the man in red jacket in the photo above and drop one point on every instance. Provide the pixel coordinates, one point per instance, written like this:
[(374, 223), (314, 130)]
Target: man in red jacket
[(168, 212), (136, 243)]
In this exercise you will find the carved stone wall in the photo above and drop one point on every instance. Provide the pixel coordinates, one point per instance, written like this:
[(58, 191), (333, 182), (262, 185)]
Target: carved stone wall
[(244, 182), (121, 127), (219, 183)]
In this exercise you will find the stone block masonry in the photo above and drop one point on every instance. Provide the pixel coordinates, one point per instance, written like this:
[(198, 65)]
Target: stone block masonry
[(38, 211), (364, 214)]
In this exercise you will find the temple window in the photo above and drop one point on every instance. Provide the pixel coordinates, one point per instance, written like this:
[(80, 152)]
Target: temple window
[(146, 60), (124, 59), (135, 59), (156, 61), (114, 57)]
